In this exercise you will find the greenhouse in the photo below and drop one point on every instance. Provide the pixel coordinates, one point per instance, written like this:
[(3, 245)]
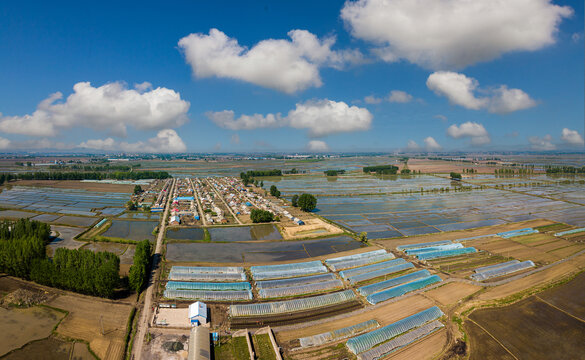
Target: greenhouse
[(421, 245), (341, 265), (365, 269), (286, 267), (382, 272), (272, 284), (206, 277), (207, 269), (355, 256), (501, 271), (184, 285), (364, 342), (514, 233), (568, 232), (300, 289), (288, 306), (287, 270), (445, 253), (383, 285), (402, 289), (320, 339), (208, 295), (398, 342), (496, 266), (434, 248)]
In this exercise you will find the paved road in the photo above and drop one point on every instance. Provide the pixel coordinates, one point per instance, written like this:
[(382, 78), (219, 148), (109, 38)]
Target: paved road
[(150, 290)]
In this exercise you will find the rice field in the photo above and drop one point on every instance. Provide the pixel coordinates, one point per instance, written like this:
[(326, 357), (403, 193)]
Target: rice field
[(63, 201)]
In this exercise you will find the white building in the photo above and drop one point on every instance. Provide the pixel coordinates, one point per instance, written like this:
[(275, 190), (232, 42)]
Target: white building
[(198, 313)]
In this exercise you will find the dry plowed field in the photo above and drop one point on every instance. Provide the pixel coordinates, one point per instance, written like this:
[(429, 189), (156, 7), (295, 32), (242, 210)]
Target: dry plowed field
[(88, 316), (452, 292), (549, 325)]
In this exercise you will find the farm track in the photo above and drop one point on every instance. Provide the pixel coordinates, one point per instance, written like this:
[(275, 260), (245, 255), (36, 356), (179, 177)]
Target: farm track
[(146, 312)]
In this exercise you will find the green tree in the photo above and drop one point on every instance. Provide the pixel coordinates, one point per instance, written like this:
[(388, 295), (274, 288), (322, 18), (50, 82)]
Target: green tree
[(363, 236), (274, 191), (139, 270), (138, 189), (307, 202), (261, 216), (455, 176), (294, 200), (131, 205)]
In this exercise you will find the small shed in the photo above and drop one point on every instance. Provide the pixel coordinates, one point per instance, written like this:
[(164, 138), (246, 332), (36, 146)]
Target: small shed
[(174, 220), (198, 313)]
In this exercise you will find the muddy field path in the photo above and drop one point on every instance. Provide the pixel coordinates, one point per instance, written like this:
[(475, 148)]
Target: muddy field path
[(150, 290)]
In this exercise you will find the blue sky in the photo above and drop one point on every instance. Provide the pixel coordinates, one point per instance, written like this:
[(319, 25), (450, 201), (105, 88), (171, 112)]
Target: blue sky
[(487, 77)]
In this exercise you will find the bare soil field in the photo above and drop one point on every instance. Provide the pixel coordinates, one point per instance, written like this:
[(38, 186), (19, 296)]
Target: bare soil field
[(532, 329), (52, 349), (567, 251), (568, 297), (87, 316), (314, 227), (385, 315), (452, 292), (424, 349), (510, 248), (482, 346), (26, 325), (75, 184), (161, 345)]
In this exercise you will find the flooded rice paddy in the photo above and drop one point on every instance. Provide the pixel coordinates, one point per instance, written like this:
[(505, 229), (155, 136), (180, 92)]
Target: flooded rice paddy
[(244, 233), (258, 252), (64, 201), (131, 230), (226, 234), (355, 184), (185, 234), (401, 209)]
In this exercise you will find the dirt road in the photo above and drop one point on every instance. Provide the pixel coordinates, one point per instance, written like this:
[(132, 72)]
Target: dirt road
[(147, 309)]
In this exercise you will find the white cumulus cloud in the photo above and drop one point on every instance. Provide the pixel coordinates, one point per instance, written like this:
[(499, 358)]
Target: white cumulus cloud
[(165, 141), (431, 144), (412, 145), (285, 65), (572, 137), (541, 143), (226, 119), (472, 130), (398, 96), (317, 145), (320, 118), (452, 34), (461, 90), (111, 107), (371, 99)]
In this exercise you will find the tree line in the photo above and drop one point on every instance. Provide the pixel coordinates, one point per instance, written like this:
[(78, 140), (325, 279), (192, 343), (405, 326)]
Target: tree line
[(565, 170), (95, 175), (106, 167), (23, 254), (138, 276), (381, 169), (82, 271)]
